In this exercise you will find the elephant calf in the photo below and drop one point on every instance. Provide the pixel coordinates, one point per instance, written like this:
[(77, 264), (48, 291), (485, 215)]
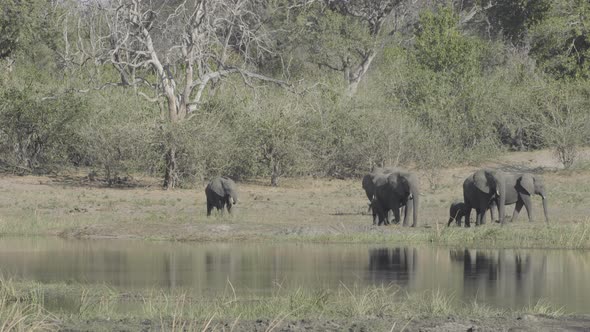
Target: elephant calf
[(221, 192), (457, 211)]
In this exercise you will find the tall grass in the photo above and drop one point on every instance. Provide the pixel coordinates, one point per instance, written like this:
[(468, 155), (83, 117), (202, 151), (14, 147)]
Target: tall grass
[(23, 311), (22, 306)]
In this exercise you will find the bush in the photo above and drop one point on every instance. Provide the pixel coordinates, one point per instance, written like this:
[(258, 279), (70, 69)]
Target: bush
[(39, 134), (565, 119)]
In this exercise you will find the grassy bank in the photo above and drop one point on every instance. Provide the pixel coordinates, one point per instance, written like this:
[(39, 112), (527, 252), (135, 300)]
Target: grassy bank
[(556, 236), (31, 306), (304, 209)]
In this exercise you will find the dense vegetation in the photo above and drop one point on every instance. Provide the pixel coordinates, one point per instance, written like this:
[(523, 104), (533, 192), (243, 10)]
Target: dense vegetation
[(285, 87)]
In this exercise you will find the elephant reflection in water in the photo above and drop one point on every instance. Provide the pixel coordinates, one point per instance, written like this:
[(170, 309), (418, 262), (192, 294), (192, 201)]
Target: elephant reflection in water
[(502, 271), (391, 265)]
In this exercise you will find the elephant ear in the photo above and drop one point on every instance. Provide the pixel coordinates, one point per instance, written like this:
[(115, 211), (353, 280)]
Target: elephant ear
[(403, 184), (480, 180), (216, 186), (527, 182)]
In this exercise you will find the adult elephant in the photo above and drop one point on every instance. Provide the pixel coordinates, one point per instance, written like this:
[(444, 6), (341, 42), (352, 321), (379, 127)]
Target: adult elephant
[(482, 188), (395, 190), (519, 190), (221, 192), (378, 176)]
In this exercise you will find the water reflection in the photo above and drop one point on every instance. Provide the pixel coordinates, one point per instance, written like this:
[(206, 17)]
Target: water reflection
[(515, 277), (507, 278), (391, 265)]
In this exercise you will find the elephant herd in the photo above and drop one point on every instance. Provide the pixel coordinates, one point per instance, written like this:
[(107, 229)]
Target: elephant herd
[(390, 190)]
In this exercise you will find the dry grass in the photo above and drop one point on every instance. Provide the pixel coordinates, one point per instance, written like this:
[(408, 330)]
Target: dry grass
[(303, 209)]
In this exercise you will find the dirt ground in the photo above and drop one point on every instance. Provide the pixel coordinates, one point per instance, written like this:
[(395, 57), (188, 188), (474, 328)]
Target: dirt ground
[(524, 323), (70, 206)]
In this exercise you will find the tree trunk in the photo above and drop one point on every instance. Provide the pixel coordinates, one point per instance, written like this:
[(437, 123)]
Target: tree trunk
[(276, 172), (170, 177), (355, 76)]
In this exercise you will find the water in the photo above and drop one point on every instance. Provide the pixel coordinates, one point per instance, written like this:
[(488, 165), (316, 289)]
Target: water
[(505, 278)]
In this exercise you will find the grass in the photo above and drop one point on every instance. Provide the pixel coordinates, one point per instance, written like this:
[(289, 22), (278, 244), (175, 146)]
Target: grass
[(565, 236), (302, 210), (22, 306)]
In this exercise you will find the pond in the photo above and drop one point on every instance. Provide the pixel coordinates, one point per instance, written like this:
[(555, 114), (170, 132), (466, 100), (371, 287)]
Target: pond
[(506, 277)]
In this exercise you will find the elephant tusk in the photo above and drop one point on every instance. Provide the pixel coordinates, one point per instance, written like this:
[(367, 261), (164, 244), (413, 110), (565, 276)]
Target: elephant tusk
[(411, 196)]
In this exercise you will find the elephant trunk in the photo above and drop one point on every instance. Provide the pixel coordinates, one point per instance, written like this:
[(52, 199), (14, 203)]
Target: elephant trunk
[(545, 208)]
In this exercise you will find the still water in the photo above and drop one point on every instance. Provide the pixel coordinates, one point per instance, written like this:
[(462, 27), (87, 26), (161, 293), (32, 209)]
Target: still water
[(506, 277)]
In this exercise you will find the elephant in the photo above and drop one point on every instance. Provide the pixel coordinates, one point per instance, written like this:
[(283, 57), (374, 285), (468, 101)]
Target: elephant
[(221, 192), (370, 186), (458, 210), (482, 188), (519, 189), (394, 190)]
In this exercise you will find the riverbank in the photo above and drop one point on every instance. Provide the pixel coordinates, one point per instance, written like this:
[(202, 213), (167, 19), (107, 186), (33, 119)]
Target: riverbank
[(71, 307), (303, 210)]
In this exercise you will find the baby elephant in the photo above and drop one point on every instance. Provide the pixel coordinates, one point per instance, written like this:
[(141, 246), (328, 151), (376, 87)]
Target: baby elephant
[(221, 192), (457, 212)]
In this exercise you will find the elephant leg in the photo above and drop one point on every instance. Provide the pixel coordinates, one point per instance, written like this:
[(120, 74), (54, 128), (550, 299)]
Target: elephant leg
[(375, 219), (478, 216), (468, 217), (396, 214), (229, 205), (407, 208), (460, 215), (389, 217), (209, 208), (493, 207), (517, 208), (528, 204), (450, 221)]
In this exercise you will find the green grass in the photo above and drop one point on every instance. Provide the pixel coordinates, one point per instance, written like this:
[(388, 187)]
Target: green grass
[(23, 305), (552, 236)]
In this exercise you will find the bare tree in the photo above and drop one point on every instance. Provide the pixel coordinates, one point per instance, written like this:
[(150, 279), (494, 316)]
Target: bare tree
[(374, 14), (172, 51)]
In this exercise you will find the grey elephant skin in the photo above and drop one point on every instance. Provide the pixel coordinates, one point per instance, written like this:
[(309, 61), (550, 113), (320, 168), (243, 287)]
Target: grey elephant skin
[(392, 191), (519, 190), (221, 192), (481, 189), (457, 212), (370, 187)]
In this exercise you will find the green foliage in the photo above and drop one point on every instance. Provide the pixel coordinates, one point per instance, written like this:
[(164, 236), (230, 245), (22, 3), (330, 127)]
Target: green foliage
[(269, 138), (441, 47), (513, 18), (437, 92), (332, 39), (562, 44), (115, 138), (565, 119), (36, 132), (27, 26)]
